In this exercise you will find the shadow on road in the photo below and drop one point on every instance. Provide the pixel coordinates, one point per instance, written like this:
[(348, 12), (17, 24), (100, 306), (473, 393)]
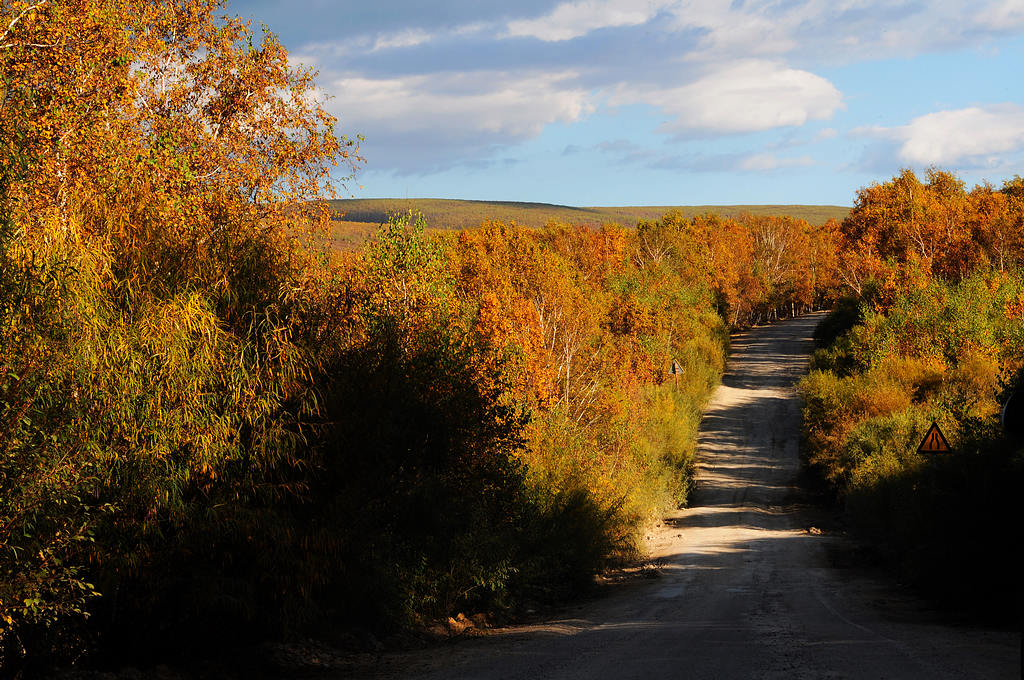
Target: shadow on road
[(744, 586)]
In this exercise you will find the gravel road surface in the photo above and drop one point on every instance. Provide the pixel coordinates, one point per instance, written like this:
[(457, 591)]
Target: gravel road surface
[(748, 585)]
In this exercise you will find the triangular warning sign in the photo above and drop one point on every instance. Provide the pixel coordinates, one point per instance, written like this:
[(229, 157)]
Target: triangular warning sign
[(934, 441)]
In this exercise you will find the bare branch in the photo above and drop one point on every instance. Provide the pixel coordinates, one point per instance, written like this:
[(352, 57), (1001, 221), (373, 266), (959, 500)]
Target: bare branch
[(10, 26)]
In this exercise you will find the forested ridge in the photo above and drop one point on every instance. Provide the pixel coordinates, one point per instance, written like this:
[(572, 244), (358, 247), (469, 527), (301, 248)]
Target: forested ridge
[(354, 221), (215, 429)]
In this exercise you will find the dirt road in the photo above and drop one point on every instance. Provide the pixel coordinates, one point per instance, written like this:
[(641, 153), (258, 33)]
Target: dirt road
[(746, 586)]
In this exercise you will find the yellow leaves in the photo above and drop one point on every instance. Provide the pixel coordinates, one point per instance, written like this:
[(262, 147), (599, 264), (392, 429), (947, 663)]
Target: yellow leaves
[(512, 343), (176, 234), (205, 473), (1014, 309), (169, 117), (938, 222), (579, 334)]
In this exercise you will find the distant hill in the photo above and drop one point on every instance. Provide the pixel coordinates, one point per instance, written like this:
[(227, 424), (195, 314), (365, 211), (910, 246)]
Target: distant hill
[(356, 218)]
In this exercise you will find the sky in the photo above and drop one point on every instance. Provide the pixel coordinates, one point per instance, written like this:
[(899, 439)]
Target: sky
[(662, 102)]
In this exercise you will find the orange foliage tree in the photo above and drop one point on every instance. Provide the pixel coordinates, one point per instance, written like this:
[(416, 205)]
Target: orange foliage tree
[(906, 219), (156, 218), (759, 267), (159, 129)]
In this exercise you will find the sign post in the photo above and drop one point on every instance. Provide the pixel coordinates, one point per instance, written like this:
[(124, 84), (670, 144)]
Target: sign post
[(934, 443), (674, 371)]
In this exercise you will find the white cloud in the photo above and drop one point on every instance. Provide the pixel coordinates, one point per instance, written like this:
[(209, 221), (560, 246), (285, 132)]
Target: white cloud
[(747, 96), (763, 162), (516, 104), (629, 153), (427, 122), (818, 29), (407, 38), (971, 135), (749, 29), (839, 30), (1001, 16), (332, 50), (470, 29), (830, 29), (450, 83), (574, 19)]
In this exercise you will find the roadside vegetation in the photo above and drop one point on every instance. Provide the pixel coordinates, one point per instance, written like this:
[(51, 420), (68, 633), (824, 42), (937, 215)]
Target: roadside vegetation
[(215, 429), (932, 330)]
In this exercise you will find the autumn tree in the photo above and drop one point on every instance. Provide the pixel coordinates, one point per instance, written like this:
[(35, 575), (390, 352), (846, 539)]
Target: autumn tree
[(171, 134), (824, 261), (780, 258), (161, 175), (997, 222), (905, 219)]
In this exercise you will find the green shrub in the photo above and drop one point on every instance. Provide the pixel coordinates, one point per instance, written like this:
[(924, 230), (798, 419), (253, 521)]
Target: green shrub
[(844, 315), (936, 353)]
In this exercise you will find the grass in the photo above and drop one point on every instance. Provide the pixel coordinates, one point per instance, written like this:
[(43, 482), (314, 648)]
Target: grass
[(356, 218)]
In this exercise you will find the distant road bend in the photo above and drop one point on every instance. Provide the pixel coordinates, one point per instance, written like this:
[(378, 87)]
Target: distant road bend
[(746, 587)]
